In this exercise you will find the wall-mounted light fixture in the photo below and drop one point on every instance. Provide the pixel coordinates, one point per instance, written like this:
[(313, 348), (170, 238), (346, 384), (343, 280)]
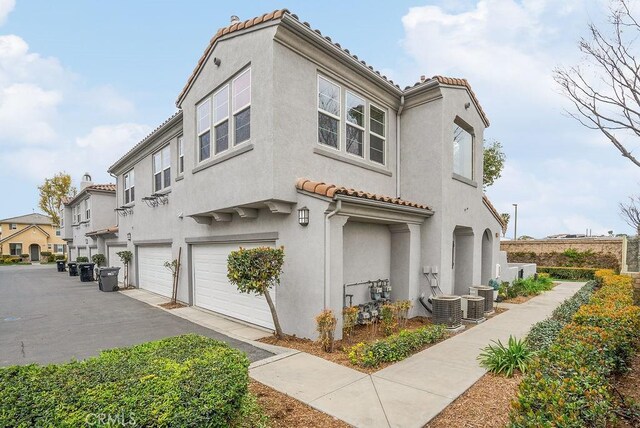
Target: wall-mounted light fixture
[(129, 236), (303, 216), (217, 61)]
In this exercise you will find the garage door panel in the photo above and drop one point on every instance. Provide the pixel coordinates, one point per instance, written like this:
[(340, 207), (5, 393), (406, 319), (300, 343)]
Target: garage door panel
[(152, 275), (214, 292)]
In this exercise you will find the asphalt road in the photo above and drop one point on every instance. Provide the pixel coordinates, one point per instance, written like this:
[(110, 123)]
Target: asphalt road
[(49, 317)]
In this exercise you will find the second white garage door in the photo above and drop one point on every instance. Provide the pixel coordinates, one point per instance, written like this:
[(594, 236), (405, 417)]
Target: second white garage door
[(152, 275), (213, 291), (114, 261)]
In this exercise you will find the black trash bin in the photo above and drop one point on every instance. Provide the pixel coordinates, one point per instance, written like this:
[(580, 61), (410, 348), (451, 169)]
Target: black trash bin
[(86, 271), (108, 279), (60, 264), (73, 268)]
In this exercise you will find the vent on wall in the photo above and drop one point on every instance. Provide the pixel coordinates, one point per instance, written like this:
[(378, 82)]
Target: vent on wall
[(472, 308), (447, 311), (487, 293)]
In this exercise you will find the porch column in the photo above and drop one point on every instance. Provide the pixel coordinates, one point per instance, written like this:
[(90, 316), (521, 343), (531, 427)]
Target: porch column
[(334, 247)]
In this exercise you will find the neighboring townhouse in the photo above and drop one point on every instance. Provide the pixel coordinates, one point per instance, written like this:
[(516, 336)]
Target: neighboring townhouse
[(30, 234), (88, 218), (276, 127)]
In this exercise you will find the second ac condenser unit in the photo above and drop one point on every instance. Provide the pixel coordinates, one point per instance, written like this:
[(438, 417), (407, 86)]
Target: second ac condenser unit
[(446, 310), (472, 308), (487, 293)]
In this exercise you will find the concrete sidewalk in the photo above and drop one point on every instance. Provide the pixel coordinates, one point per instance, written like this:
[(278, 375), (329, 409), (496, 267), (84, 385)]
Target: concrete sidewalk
[(412, 392)]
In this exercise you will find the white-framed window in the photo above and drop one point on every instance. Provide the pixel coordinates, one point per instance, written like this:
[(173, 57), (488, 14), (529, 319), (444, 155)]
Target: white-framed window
[(13, 226), (58, 232), (242, 107), (129, 187), (355, 124), (377, 134), (87, 209), (462, 152), (162, 169), (328, 113), (204, 129), (58, 248), (221, 119), (15, 249), (180, 155)]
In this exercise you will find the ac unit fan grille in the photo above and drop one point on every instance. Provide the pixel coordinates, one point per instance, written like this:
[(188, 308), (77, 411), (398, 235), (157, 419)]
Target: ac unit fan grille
[(447, 310)]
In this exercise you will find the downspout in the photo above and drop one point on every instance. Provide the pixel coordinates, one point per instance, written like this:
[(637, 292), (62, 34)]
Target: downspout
[(117, 216), (327, 254), (398, 122)]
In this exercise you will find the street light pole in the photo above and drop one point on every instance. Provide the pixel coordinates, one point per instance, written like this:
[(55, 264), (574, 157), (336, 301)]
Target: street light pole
[(515, 223)]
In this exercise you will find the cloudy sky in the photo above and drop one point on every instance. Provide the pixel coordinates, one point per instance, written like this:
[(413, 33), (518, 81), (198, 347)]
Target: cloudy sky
[(82, 81)]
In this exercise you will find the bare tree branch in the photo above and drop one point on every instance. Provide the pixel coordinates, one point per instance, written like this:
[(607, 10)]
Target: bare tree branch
[(630, 212), (609, 100)]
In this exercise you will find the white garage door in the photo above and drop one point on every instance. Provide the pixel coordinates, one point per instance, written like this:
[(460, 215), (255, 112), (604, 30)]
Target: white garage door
[(152, 275), (114, 261), (212, 289)]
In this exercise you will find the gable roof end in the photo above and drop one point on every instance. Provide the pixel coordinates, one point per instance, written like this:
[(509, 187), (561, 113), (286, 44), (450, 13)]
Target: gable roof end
[(493, 210), (33, 218)]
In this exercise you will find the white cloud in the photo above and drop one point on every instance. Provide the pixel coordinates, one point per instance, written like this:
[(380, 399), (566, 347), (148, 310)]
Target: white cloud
[(26, 111), (6, 6)]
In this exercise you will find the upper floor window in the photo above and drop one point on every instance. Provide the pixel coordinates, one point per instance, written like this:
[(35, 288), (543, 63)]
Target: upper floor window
[(87, 210), (162, 169), (221, 119), (129, 187), (462, 152), (13, 226), (58, 233), (364, 126), (242, 107), (355, 124), (180, 155), (204, 129), (230, 121), (328, 113), (377, 140)]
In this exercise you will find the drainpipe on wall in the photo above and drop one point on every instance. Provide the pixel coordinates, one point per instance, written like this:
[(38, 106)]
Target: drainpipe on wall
[(327, 255), (117, 216), (400, 108)]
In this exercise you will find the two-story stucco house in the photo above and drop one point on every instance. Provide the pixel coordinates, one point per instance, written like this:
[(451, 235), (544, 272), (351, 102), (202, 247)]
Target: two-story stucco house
[(30, 234), (277, 126), (88, 218)]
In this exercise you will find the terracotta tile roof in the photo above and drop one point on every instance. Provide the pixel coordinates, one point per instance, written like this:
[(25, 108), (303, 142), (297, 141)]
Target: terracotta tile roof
[(271, 16), (330, 190), (455, 81), (103, 187), (493, 210), (107, 231), (146, 139)]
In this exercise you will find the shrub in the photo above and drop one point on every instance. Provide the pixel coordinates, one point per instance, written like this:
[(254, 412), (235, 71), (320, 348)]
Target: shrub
[(61, 257), (569, 384), (99, 259), (530, 286), (500, 359), (45, 253), (572, 273), (82, 259), (185, 381), (326, 326), (569, 307), (395, 347), (389, 318), (567, 258), (349, 321), (543, 333)]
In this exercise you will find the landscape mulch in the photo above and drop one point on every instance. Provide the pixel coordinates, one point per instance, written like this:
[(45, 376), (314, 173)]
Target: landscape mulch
[(285, 411), (340, 354), (171, 305), (485, 405), (629, 386)]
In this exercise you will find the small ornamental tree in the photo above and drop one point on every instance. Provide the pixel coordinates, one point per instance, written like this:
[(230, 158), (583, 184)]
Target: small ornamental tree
[(99, 259), (256, 270), (125, 258)]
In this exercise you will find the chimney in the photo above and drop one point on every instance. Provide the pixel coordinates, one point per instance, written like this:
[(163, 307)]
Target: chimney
[(234, 19), (423, 78), (86, 181)]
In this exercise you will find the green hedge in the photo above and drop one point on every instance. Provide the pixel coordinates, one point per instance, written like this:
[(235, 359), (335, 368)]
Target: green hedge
[(183, 381), (574, 273), (395, 347), (569, 385)]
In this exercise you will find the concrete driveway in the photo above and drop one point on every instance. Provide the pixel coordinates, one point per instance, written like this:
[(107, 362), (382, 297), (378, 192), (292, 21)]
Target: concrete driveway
[(48, 317)]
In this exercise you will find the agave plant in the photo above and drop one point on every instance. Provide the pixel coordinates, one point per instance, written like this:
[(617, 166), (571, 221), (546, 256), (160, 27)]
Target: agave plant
[(501, 359)]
